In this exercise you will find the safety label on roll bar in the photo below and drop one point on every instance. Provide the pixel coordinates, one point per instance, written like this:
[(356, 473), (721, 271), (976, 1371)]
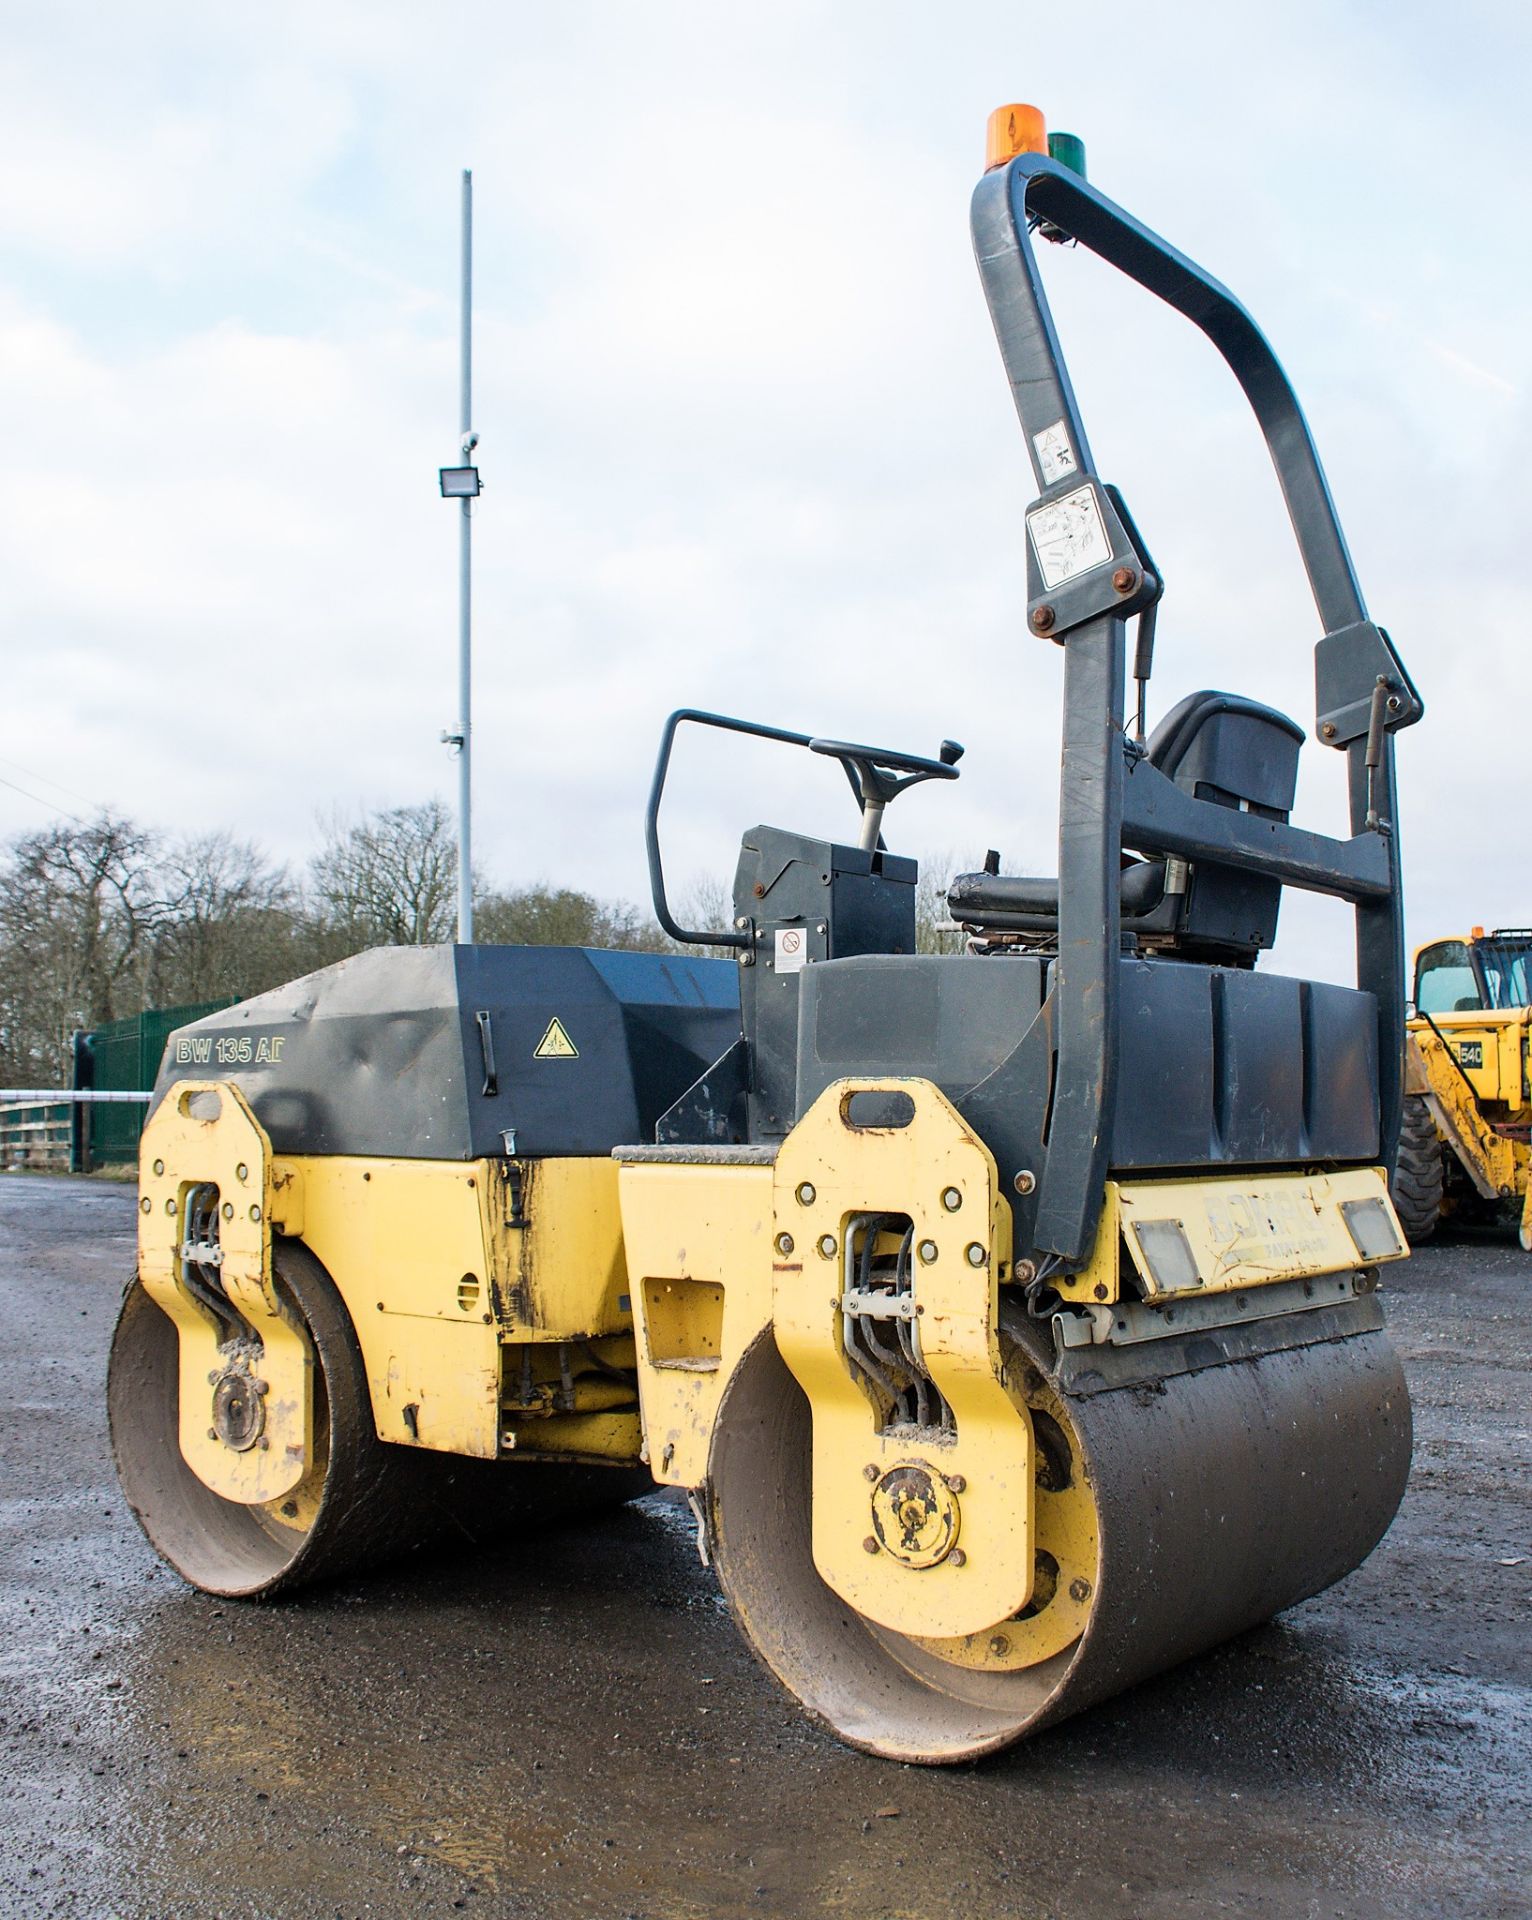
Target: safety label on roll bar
[(1068, 536), (1055, 457)]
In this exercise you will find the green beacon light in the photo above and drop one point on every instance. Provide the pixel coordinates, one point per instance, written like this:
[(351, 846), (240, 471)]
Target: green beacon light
[(1069, 150)]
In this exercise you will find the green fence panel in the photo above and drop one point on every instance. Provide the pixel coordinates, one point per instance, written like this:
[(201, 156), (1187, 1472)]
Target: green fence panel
[(124, 1057)]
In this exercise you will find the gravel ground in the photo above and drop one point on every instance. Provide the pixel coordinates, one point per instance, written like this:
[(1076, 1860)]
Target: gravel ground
[(573, 1728)]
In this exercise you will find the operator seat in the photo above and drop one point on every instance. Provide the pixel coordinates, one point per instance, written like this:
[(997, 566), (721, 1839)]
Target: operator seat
[(1218, 747)]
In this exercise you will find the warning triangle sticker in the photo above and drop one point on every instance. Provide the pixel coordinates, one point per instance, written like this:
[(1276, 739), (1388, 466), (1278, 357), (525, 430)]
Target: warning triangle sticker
[(556, 1044)]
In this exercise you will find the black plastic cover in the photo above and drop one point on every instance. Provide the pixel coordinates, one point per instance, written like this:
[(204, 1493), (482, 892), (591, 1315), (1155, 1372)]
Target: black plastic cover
[(1217, 1066), (386, 1053)]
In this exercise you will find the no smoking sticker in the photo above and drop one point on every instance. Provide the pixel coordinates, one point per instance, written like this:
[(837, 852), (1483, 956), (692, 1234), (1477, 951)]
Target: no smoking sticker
[(792, 949)]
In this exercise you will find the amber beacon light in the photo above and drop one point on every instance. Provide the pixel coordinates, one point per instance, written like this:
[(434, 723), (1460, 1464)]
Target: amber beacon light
[(1022, 129), (1012, 130)]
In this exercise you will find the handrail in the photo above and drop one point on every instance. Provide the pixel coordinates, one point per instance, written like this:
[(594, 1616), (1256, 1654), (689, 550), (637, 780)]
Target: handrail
[(71, 1096), (690, 936)]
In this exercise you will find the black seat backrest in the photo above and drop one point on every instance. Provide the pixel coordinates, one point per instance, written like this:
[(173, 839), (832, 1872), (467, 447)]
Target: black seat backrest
[(1223, 747), (1218, 747), (1234, 752)]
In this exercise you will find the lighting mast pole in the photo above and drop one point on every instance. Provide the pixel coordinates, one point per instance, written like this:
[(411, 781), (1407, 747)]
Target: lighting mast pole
[(461, 483)]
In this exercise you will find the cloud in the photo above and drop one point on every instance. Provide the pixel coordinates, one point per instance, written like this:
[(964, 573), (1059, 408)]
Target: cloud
[(746, 440)]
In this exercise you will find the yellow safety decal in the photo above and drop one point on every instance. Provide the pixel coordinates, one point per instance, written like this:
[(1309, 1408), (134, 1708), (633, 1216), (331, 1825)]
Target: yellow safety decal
[(556, 1044)]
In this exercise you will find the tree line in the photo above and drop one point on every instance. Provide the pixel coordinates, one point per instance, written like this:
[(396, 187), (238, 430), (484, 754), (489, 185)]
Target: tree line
[(100, 919)]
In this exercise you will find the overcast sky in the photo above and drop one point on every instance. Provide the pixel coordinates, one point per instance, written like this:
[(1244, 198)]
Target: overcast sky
[(746, 442)]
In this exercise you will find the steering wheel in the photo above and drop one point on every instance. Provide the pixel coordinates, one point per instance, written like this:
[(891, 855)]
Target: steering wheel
[(878, 774)]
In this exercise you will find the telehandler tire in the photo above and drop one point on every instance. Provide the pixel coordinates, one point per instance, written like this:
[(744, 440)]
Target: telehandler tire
[(362, 1501), (1420, 1175)]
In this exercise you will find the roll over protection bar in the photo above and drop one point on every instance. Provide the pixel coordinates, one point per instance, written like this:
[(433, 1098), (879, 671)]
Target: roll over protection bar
[(1109, 797)]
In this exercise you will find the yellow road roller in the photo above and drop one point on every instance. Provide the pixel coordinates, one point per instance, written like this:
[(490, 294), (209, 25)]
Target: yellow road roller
[(1009, 1317)]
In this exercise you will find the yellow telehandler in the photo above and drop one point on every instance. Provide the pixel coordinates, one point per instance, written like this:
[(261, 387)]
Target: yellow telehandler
[(1464, 1149)]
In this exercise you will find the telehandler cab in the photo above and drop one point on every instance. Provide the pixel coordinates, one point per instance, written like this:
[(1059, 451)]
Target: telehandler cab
[(1009, 1317)]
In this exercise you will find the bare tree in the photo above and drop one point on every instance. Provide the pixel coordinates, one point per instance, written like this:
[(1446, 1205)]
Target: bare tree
[(388, 879), (101, 919), (79, 907), (541, 915), (704, 904), (933, 933), (233, 923)]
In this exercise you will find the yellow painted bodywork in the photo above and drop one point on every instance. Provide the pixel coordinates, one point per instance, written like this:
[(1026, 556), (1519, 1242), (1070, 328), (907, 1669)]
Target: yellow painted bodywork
[(504, 1306), (719, 1251), (1240, 1231), (1066, 1540), (562, 1276), (404, 1242), (939, 1172), (450, 1271), (1483, 1085), (1473, 1068), (1490, 1048), (698, 1237), (439, 1282), (205, 1132)]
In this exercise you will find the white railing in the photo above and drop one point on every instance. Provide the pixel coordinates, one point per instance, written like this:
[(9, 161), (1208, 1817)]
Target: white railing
[(70, 1096)]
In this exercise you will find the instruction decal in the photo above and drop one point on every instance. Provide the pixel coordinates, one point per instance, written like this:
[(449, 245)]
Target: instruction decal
[(1068, 537), (556, 1044), (1055, 457)]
